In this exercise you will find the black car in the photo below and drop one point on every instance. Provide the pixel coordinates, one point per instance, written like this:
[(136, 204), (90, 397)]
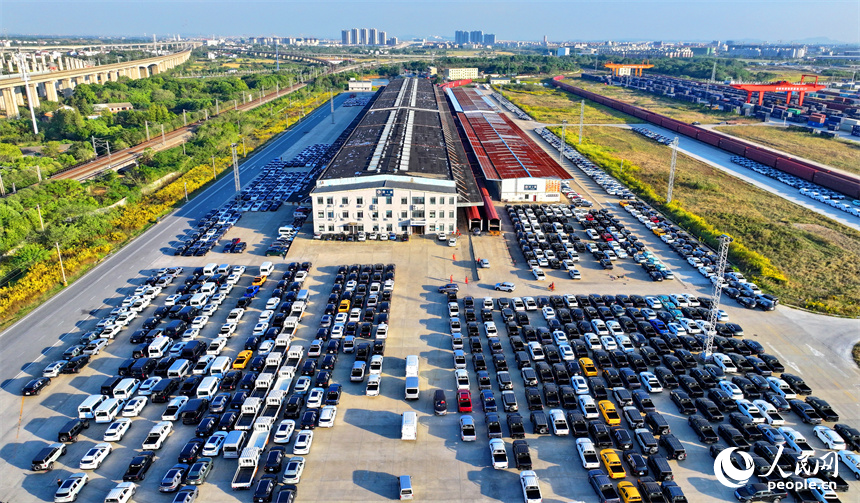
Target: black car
[(759, 492), (822, 408), (703, 429), (806, 412), (265, 489), (191, 451), (138, 467), (636, 463), (35, 386), (683, 402), (275, 459), (850, 434), (309, 419)]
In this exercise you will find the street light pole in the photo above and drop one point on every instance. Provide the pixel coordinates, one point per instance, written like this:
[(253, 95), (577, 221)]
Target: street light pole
[(185, 184), (561, 145), (41, 222), (62, 269)]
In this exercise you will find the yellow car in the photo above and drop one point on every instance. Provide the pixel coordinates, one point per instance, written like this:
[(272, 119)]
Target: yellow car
[(612, 463), (610, 414), (344, 306), (259, 280), (242, 359), (588, 368), (629, 493)]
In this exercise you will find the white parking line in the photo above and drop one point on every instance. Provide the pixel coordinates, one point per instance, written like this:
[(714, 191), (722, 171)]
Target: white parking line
[(782, 358)]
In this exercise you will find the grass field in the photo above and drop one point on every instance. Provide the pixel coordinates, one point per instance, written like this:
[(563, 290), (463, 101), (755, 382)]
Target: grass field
[(841, 154), (551, 106), (676, 109), (820, 258)]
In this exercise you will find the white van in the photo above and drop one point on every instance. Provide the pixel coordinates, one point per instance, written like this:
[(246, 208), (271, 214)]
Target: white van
[(266, 269), (126, 388), (158, 346), (411, 366), (179, 369), (406, 487), (224, 269), (233, 444), (209, 269), (87, 408), (409, 426), (198, 300), (412, 388), (208, 387), (208, 288), (220, 366), (303, 295), (108, 410)]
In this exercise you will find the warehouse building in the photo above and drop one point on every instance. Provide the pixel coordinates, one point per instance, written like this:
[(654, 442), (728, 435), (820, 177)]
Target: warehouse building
[(461, 73), (512, 165), (402, 169)]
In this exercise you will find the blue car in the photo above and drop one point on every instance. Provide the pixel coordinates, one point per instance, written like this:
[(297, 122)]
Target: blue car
[(251, 292)]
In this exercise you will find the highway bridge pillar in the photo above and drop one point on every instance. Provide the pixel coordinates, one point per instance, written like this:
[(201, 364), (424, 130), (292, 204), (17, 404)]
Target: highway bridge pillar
[(10, 103), (34, 95), (51, 91)]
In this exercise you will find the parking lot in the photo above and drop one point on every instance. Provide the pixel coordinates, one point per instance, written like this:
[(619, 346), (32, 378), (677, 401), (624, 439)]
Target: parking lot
[(360, 458)]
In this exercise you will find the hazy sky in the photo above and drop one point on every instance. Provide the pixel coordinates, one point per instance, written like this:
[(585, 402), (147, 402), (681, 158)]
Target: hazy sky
[(770, 20)]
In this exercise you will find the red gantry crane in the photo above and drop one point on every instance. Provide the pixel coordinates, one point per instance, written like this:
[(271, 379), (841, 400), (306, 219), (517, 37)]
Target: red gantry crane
[(778, 87)]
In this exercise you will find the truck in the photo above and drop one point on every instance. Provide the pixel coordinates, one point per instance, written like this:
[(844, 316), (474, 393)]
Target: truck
[(298, 309), (603, 487), (249, 460), (273, 403), (288, 331), (494, 426), (248, 413), (262, 384), (274, 358), (282, 383), (294, 359), (521, 455), (498, 453), (260, 434)]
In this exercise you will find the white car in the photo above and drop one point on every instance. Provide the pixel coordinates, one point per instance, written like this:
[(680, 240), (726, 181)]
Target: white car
[(829, 437), (122, 493), (558, 422), (235, 315), (273, 303), (157, 435), (382, 331), (781, 388), (294, 469), (216, 346), (373, 382), (260, 329), (462, 377), (531, 487), (266, 316), (315, 398), (302, 385), (484, 263), (725, 363), (315, 349), (624, 343), (531, 304), (608, 343), (284, 431), (649, 382), (201, 368), (587, 454), (341, 318), (375, 366), (227, 330), (134, 406), (748, 409), (771, 415), (588, 407), (146, 386), (190, 334), (599, 327), (213, 444), (852, 461), (71, 487), (614, 328), (95, 347), (536, 351), (53, 369), (490, 329), (548, 313), (559, 337), (303, 442), (199, 322), (580, 385), (505, 287), (118, 428), (266, 347), (226, 288), (174, 408), (538, 274), (95, 456), (731, 389), (327, 415)]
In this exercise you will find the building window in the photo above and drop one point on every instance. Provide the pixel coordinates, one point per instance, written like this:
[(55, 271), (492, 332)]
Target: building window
[(374, 200), (329, 200), (388, 200), (359, 215), (404, 200), (345, 214), (320, 214), (450, 227), (389, 227), (387, 213), (451, 201), (417, 200), (432, 214), (359, 200), (344, 200), (375, 215), (451, 214), (321, 228), (432, 228), (331, 215), (432, 200), (404, 214), (417, 213), (375, 228), (331, 228), (319, 200)]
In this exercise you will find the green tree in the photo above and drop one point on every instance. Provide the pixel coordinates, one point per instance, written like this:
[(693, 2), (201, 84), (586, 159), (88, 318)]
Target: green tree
[(9, 153)]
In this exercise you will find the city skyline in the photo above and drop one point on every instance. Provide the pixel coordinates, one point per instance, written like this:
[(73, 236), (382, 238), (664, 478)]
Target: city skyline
[(694, 20)]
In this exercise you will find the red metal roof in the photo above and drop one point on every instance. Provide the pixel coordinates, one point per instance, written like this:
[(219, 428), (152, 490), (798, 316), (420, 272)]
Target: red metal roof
[(504, 151)]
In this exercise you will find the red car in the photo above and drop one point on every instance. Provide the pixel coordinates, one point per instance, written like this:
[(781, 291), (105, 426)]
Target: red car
[(607, 237), (464, 400)]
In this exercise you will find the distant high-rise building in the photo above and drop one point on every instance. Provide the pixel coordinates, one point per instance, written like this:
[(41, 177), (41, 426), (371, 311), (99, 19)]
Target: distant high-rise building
[(544, 40), (381, 37), (345, 37), (489, 39), (371, 36), (563, 51), (354, 36), (476, 37), (393, 41), (362, 36)]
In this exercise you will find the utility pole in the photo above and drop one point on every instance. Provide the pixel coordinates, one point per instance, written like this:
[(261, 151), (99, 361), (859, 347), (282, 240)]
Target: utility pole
[(146, 123), (674, 146), (236, 169), (216, 107), (331, 102), (62, 269), (581, 119), (2, 187), (725, 241), (561, 145), (214, 175), (622, 166), (244, 152), (184, 119), (39, 172), (162, 134), (185, 185), (41, 222), (235, 104)]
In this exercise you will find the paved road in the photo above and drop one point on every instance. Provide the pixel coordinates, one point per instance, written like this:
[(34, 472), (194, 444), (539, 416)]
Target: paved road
[(44, 327)]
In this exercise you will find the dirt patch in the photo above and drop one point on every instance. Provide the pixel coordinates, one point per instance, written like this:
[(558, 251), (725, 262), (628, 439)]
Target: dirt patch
[(831, 235)]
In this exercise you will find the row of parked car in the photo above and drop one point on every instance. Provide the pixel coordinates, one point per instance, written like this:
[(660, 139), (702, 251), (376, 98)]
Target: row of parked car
[(510, 107), (742, 383), (647, 133), (806, 188)]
